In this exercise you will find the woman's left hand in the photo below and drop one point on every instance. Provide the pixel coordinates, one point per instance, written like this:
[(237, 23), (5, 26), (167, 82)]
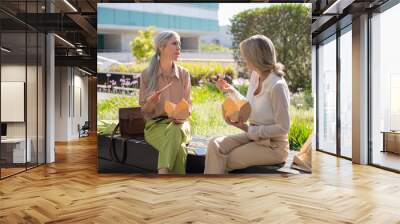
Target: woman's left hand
[(240, 124), (251, 133), (178, 121)]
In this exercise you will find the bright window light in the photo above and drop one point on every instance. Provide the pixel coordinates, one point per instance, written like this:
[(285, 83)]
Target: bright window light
[(70, 5)]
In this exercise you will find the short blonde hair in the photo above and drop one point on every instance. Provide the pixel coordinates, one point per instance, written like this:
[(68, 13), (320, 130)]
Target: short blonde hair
[(260, 52)]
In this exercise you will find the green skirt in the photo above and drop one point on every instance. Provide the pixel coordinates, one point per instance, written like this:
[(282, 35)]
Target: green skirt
[(170, 140)]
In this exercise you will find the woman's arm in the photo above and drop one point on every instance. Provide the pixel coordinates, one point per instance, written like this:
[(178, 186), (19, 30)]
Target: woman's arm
[(188, 92), (240, 124), (280, 107), (148, 104)]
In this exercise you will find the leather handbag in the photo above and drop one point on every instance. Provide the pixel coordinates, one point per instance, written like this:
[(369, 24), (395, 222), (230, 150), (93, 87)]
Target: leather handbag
[(131, 122)]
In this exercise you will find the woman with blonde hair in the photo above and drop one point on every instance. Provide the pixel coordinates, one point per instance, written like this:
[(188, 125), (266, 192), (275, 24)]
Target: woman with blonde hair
[(165, 81), (265, 140)]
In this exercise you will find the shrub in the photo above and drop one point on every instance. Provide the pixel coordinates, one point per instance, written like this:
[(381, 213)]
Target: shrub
[(288, 26), (107, 109), (142, 46), (128, 68), (206, 119), (199, 72), (206, 72), (302, 100), (214, 48), (301, 127)]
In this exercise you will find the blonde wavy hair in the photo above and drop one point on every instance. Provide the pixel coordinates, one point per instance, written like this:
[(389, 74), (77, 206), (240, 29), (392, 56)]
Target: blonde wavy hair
[(260, 52)]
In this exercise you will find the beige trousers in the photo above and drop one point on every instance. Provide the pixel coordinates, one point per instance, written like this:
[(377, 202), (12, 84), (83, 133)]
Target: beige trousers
[(238, 151)]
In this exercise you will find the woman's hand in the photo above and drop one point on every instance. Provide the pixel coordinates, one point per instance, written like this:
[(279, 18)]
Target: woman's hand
[(240, 124), (251, 133), (178, 121), (152, 101), (181, 116), (154, 98), (224, 86)]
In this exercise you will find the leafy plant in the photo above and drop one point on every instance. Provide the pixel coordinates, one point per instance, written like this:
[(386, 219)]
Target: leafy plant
[(206, 119), (216, 48), (302, 100), (142, 46), (288, 26), (107, 109), (200, 72), (301, 127)]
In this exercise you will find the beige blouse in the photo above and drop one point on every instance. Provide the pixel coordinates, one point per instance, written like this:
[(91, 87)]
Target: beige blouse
[(180, 88), (269, 116)]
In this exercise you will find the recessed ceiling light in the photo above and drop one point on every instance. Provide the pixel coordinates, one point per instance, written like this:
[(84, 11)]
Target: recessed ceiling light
[(64, 40), (84, 71), (338, 6), (5, 50), (70, 5)]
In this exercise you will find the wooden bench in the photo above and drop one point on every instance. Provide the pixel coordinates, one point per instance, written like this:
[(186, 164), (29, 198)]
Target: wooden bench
[(140, 157)]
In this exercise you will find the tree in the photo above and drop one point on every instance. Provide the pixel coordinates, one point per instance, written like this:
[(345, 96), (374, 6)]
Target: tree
[(288, 26), (142, 46)]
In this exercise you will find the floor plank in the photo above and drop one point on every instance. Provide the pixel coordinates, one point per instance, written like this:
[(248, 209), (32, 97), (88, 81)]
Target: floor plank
[(71, 191)]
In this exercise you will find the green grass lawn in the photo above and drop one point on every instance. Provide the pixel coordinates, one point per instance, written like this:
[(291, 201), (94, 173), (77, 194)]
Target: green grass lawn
[(206, 119)]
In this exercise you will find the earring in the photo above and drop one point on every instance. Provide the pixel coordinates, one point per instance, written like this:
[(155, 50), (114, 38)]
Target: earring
[(158, 57)]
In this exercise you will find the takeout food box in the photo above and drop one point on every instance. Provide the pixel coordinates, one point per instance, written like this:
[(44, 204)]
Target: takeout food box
[(178, 111), (235, 109)]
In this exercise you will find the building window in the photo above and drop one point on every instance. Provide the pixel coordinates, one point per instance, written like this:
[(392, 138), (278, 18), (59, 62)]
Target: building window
[(346, 75), (327, 95), (385, 89)]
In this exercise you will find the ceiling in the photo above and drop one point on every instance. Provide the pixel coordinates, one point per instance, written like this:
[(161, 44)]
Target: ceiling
[(330, 15), (74, 22)]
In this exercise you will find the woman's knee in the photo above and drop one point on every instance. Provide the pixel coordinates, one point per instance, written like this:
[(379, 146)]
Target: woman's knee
[(213, 143)]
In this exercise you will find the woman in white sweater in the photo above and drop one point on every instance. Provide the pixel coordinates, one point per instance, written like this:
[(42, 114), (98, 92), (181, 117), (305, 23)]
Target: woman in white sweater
[(264, 140)]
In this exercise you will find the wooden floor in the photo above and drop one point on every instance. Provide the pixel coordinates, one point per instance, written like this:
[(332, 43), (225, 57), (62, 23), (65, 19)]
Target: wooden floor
[(70, 191), (387, 159)]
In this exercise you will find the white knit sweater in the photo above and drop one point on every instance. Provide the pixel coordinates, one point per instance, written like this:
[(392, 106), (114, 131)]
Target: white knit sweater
[(269, 116)]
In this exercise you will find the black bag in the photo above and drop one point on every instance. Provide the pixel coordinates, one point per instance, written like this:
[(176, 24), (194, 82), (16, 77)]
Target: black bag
[(137, 156), (131, 123), (140, 157)]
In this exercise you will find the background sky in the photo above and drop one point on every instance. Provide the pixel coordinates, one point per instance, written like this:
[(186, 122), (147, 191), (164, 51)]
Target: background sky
[(228, 10)]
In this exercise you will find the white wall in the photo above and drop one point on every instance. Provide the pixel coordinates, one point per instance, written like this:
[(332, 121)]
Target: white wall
[(33, 127), (14, 73), (224, 36), (69, 85), (126, 38), (17, 73), (61, 103)]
